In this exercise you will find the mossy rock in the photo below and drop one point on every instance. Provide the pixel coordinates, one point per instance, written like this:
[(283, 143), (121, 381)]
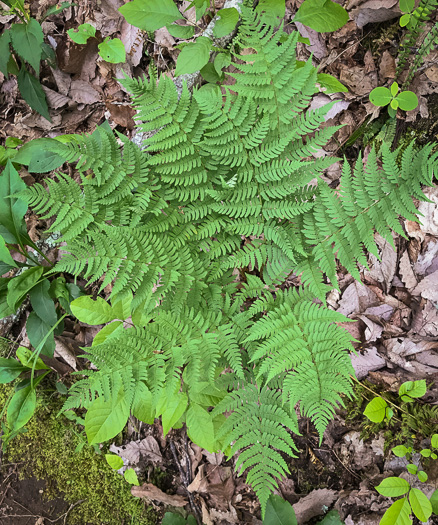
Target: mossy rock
[(48, 452)]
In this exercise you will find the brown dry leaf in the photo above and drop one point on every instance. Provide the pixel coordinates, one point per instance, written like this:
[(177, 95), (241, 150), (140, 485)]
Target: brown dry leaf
[(357, 80), (65, 348), (321, 100), (63, 81), (406, 271), (369, 361), (399, 348), (432, 73), (375, 11), (83, 92), (317, 42), (428, 287), (356, 298), (427, 261), (215, 458), (122, 114), (133, 40), (387, 65), (313, 504), (383, 271), (373, 330), (78, 59), (55, 100), (164, 39), (153, 493), (200, 483), (429, 210), (146, 449), (425, 321), (206, 520)]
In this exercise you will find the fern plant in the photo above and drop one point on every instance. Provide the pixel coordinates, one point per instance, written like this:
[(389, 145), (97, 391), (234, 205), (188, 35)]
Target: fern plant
[(225, 183)]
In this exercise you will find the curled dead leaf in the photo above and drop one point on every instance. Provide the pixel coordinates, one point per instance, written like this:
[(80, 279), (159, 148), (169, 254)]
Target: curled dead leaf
[(153, 493)]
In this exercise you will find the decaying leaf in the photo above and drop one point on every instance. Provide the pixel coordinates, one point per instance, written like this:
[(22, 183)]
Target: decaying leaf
[(406, 271), (153, 493), (313, 504), (428, 287), (369, 361)]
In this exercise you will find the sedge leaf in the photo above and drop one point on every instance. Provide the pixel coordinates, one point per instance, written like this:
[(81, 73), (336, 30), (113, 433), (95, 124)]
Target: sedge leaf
[(12, 210)]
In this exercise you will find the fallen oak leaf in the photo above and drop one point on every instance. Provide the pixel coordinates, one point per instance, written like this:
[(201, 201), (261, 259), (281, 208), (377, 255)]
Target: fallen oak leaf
[(151, 492)]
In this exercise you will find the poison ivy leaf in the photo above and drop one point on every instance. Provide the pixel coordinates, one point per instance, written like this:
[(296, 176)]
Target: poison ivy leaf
[(227, 21), (150, 15), (112, 50), (21, 408), (12, 210), (400, 451), (37, 330), (42, 303), (106, 332), (33, 93), (421, 506), (413, 389), (323, 17), (173, 410), (10, 369), (92, 312), (105, 419), (20, 285), (114, 461), (393, 487), (193, 57), (27, 358), (375, 411), (84, 32), (330, 83), (5, 256), (279, 512), (27, 40), (434, 502), (407, 100), (200, 427), (131, 477), (397, 514), (182, 32), (5, 53)]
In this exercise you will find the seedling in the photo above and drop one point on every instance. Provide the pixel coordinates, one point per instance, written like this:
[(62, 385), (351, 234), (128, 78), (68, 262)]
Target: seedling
[(405, 100), (111, 49)]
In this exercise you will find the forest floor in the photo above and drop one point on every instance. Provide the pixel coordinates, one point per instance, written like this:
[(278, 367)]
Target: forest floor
[(396, 309)]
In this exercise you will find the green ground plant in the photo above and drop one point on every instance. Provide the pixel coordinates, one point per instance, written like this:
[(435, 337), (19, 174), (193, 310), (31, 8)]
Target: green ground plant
[(22, 48), (111, 50), (222, 187)]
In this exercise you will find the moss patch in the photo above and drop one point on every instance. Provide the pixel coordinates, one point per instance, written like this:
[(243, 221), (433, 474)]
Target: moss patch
[(48, 450)]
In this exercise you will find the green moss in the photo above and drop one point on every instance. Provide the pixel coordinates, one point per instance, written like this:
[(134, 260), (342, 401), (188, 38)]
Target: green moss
[(48, 450)]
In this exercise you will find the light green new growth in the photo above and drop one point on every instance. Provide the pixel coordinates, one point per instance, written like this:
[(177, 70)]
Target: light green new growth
[(226, 182)]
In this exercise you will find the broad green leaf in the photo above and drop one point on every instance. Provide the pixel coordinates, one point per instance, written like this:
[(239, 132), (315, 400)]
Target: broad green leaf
[(26, 358), (404, 20), (397, 514), (193, 57), (426, 452), (12, 210), (92, 312), (394, 89), (393, 487), (5, 52), (41, 155), (142, 407), (394, 103), (112, 50), (106, 332), (105, 419), (150, 15), (279, 512), (200, 427), (37, 330), (21, 408), (33, 93), (210, 74), (400, 451), (330, 83), (380, 96), (413, 388), (227, 21), (434, 441), (182, 32), (407, 100), (57, 8), (121, 306), (13, 142), (273, 9), (434, 502), (411, 468), (5, 255), (20, 285), (174, 409), (322, 17), (332, 518), (221, 61), (375, 411), (422, 476), (406, 6), (10, 369), (27, 40), (114, 461), (131, 477), (421, 506), (171, 518), (84, 32), (42, 303)]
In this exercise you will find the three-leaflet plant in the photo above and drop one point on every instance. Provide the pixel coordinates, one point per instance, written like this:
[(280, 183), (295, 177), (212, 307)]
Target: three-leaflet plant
[(225, 182)]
